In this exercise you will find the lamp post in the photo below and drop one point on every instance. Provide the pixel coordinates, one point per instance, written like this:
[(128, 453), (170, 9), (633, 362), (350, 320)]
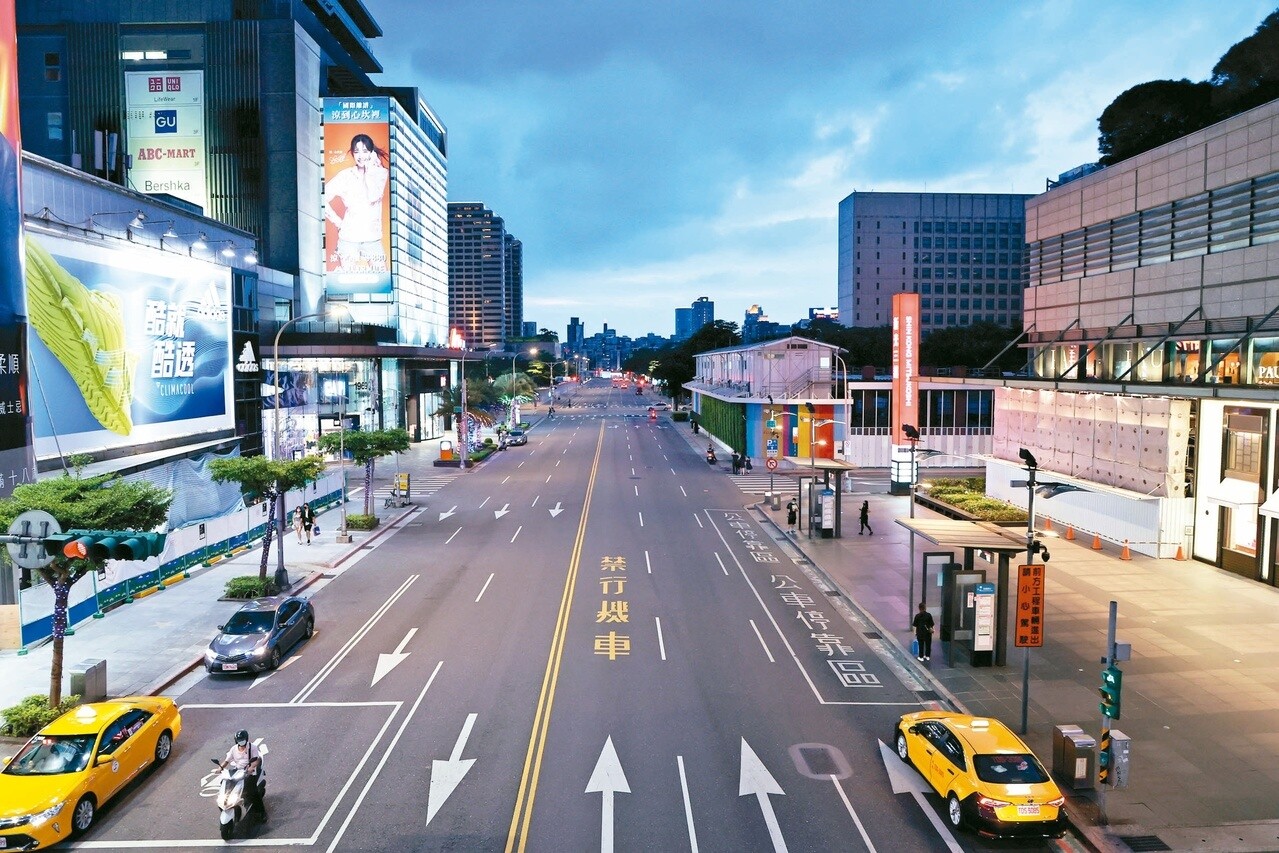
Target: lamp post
[(912, 434), (848, 419), (462, 428), (342, 538), (275, 443), (812, 462)]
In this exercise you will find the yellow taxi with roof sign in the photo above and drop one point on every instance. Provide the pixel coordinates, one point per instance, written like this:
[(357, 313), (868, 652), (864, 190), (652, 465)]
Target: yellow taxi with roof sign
[(990, 779), (56, 783)]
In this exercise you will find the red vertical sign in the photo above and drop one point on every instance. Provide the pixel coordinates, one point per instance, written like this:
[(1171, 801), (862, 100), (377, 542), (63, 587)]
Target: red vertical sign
[(1028, 630), (905, 409)]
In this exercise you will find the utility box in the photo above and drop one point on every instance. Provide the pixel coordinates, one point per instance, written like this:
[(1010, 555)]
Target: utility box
[(1120, 744), (89, 680), (1079, 757), (1060, 733)]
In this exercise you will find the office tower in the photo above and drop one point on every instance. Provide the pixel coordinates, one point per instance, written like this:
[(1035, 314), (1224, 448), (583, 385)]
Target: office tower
[(576, 335), (703, 312), (480, 282), (683, 324), (514, 285)]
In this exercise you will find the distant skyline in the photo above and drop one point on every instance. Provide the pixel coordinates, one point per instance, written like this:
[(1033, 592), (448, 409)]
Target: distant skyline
[(648, 154)]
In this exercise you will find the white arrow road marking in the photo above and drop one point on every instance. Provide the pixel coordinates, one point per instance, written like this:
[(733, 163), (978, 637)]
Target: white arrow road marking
[(388, 662), (608, 779), (905, 780), (556, 510), (757, 780), (445, 775), (259, 680), (445, 515), (498, 513)]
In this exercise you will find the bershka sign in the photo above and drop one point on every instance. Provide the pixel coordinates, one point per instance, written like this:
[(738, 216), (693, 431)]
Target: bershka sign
[(164, 125)]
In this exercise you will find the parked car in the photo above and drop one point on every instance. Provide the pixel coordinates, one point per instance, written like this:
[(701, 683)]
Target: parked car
[(517, 436), (54, 786), (260, 633), (660, 406), (990, 779)]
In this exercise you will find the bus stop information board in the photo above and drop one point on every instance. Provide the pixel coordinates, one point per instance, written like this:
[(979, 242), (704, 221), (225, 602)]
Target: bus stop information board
[(1029, 631)]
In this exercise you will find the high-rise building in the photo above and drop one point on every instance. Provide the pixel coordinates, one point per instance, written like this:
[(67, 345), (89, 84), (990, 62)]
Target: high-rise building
[(757, 327), (576, 335), (528, 329), (703, 312), (683, 324), (481, 284), (514, 286), (962, 253)]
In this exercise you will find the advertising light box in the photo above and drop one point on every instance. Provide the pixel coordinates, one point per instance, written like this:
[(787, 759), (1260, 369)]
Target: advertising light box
[(125, 347), (164, 124), (357, 195)]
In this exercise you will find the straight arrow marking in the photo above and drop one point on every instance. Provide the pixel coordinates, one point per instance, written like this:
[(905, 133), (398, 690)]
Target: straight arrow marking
[(446, 775), (388, 662), (445, 515), (556, 510), (756, 779), (608, 779), (498, 513), (905, 780)]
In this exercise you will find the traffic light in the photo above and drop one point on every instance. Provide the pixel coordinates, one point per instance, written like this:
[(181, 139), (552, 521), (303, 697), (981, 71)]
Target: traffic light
[(100, 545), (1112, 680)]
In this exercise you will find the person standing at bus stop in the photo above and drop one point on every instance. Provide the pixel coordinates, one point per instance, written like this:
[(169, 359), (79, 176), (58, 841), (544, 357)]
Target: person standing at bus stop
[(923, 624)]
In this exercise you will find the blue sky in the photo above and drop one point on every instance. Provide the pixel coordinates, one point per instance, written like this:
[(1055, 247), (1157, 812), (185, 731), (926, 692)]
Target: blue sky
[(648, 153)]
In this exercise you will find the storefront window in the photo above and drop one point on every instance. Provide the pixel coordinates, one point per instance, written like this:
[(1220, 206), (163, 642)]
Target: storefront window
[(1264, 361), (1183, 361), (1227, 370)]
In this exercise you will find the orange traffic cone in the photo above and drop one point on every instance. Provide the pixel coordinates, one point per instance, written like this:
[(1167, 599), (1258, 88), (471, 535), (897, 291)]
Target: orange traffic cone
[(1125, 554), (1181, 554), (1096, 542), (1048, 525), (1070, 534)]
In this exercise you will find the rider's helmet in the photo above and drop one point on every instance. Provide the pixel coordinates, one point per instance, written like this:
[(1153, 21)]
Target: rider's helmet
[(241, 737)]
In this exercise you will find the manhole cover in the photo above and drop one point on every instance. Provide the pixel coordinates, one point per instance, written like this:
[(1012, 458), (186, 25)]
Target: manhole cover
[(1143, 842)]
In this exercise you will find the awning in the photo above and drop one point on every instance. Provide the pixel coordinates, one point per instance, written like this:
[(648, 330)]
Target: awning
[(981, 535), (1271, 506), (1233, 493)]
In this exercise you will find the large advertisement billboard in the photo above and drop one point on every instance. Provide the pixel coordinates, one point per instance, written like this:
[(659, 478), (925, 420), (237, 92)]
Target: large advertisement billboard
[(16, 464), (357, 196), (126, 347), (905, 363), (164, 124)]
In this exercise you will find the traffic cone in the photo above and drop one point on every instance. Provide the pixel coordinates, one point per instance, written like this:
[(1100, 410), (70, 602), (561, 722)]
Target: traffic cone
[(1181, 554), (1096, 542), (1125, 554), (1070, 534), (1048, 525)]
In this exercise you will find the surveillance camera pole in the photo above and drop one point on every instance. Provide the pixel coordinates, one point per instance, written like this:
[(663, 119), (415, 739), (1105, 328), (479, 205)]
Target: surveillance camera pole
[(1031, 468)]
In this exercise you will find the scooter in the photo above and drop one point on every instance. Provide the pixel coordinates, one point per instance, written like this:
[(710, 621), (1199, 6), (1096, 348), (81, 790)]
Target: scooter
[(231, 803), (710, 457)]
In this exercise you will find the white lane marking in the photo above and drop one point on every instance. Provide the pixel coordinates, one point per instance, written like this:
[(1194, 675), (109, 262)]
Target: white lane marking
[(534, 502), (722, 567), (548, 478), (483, 588), (450, 539), (486, 500), (647, 563), (504, 479), (292, 659), (698, 519), (681, 488), (641, 515), (843, 796), (341, 653), (637, 491), (661, 644), (565, 450), (517, 532), (771, 659), (557, 462), (521, 465), (688, 805), (386, 755)]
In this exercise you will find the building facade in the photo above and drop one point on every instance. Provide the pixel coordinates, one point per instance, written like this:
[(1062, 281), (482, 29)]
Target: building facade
[(479, 281), (961, 252), (703, 313), (1153, 318), (683, 324)]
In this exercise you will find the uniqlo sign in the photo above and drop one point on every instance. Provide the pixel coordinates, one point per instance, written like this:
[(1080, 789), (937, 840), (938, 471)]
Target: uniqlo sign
[(164, 84)]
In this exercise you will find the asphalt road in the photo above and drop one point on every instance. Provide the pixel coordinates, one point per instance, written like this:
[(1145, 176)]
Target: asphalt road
[(586, 644)]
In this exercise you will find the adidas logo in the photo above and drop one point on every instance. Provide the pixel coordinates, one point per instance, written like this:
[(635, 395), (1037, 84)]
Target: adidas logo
[(247, 362)]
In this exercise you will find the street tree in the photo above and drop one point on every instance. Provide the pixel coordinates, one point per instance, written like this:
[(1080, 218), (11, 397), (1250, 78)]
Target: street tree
[(366, 447), (1247, 75), (102, 502), (260, 478)]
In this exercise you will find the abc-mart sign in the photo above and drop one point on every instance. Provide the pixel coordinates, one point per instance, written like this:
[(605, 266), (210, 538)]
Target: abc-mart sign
[(164, 123)]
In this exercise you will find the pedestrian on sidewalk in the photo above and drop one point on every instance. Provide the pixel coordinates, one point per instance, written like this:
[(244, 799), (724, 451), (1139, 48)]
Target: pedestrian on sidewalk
[(923, 624), (792, 515), (737, 463), (746, 460), (298, 523), (308, 521), (865, 518)]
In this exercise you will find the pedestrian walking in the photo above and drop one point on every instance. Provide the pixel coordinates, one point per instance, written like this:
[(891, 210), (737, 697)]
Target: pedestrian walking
[(308, 521), (792, 515), (746, 460), (923, 624), (297, 523), (865, 519), (737, 463)]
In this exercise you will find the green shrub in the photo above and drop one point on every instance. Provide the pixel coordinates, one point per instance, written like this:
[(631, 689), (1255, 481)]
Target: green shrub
[(482, 453), (359, 521), (969, 494), (249, 586), (32, 714), (488, 441)]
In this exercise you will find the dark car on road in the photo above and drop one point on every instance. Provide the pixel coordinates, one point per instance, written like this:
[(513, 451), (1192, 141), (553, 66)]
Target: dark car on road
[(260, 633), (516, 436)]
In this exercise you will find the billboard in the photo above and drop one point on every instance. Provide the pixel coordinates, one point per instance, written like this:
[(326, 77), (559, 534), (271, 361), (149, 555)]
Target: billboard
[(125, 347), (905, 364), (16, 462), (164, 126), (357, 197)]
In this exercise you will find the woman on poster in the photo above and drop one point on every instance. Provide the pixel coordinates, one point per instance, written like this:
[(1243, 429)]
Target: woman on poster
[(361, 188)]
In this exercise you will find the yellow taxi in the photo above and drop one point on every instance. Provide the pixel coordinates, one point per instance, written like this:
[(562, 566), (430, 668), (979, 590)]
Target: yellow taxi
[(991, 781), (56, 783)]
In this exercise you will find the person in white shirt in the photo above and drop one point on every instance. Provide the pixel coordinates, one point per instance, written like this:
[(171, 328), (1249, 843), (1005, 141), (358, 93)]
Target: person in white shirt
[(361, 189)]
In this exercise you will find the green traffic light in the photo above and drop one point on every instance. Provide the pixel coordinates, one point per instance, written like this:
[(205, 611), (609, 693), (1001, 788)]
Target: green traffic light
[(1112, 680)]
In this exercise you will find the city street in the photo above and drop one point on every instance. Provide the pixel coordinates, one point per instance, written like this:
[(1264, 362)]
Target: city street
[(585, 644)]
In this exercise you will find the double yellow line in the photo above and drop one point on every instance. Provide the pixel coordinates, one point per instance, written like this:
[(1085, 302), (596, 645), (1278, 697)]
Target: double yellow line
[(517, 838)]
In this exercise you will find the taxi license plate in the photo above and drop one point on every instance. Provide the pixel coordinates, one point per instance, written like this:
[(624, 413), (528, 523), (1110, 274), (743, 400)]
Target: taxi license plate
[(1028, 811), (3, 843), (233, 666)]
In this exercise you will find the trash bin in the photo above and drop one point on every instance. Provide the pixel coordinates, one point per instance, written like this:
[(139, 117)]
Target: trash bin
[(89, 680), (1080, 758)]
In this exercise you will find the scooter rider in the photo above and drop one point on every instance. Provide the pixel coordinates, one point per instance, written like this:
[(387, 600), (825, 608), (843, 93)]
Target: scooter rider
[(245, 756), (710, 455)]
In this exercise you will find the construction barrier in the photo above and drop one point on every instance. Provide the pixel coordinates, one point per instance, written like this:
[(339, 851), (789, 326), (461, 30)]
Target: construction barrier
[(1096, 543), (1125, 554), (1070, 534)]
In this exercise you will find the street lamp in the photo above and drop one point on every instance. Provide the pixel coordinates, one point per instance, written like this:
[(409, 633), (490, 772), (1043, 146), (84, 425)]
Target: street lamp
[(343, 538), (275, 443)]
